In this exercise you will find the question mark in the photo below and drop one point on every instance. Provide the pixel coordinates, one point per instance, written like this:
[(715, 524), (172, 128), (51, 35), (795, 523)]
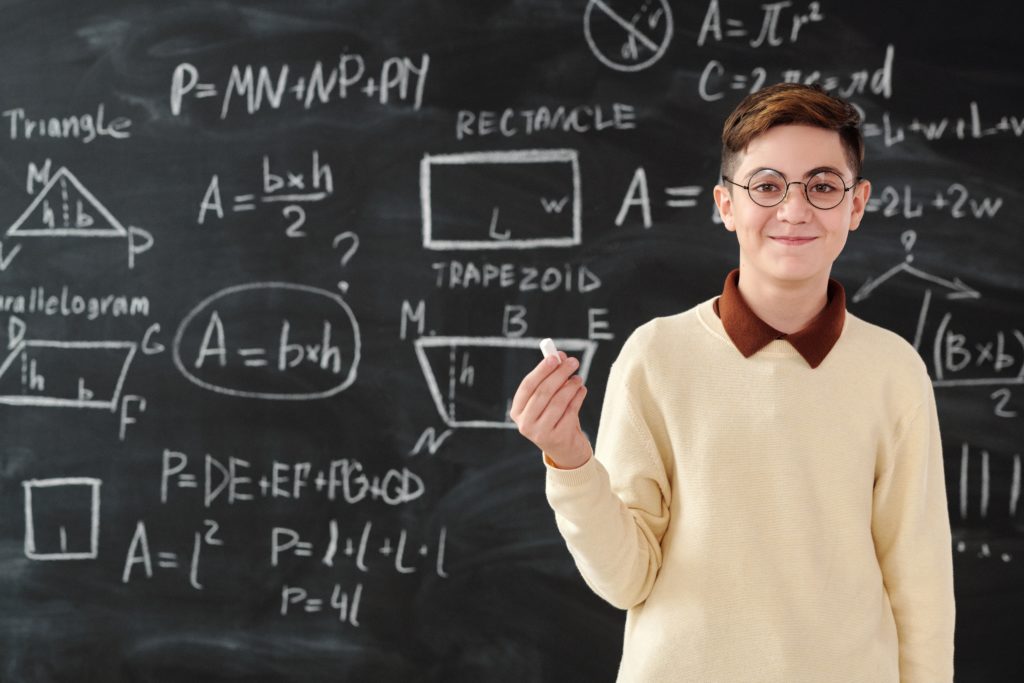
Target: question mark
[(349, 253), (909, 237)]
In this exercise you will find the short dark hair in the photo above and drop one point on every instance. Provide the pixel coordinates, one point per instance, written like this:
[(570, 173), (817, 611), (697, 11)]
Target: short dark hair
[(785, 103)]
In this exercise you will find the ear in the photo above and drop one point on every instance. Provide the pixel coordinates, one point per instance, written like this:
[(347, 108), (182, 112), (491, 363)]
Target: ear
[(723, 200), (861, 194)]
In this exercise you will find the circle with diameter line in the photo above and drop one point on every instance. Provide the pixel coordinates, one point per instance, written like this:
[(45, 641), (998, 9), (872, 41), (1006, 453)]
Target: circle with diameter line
[(628, 35)]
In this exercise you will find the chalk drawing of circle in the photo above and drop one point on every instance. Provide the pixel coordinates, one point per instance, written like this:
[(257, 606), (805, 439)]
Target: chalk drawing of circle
[(629, 30), (265, 305)]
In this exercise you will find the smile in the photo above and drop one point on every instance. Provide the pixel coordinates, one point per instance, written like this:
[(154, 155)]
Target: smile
[(793, 241)]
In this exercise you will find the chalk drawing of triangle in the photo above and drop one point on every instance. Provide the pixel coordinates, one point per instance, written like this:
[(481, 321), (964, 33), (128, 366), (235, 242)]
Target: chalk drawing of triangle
[(65, 208)]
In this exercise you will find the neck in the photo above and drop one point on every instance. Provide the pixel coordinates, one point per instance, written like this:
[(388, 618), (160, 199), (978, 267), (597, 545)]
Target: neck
[(785, 305)]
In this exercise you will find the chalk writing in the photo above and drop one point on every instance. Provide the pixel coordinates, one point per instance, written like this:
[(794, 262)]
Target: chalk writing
[(638, 196), (716, 79), (510, 122), (139, 553), (974, 126), (344, 603), (999, 358), (769, 31), (398, 552), (324, 351), (397, 80), (232, 480), (69, 303), (82, 127), (956, 201), (982, 495), (290, 188), (567, 277)]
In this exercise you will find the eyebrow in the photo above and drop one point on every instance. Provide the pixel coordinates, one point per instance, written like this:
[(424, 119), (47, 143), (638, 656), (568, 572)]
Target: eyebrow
[(813, 171), (819, 169)]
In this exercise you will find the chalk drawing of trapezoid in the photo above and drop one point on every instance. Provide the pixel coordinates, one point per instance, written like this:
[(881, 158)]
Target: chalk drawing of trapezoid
[(66, 374), (517, 199), (480, 374), (65, 208)]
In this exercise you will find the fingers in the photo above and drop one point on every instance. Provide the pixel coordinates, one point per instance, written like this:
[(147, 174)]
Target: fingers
[(571, 416), (546, 390), (557, 431), (530, 384), (556, 407), (546, 409), (534, 379)]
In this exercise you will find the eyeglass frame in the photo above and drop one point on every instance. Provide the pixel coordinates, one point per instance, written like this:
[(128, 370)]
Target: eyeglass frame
[(785, 193)]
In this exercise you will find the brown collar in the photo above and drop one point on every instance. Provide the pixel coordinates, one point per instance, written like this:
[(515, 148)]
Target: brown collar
[(750, 334)]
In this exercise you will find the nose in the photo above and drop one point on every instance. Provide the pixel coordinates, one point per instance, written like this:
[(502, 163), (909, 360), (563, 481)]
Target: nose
[(794, 207)]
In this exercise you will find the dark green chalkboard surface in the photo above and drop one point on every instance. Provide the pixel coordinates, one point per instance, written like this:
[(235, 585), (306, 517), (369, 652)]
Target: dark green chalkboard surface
[(270, 273)]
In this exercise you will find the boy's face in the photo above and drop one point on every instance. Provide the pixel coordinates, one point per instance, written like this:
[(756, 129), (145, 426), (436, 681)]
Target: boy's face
[(794, 151)]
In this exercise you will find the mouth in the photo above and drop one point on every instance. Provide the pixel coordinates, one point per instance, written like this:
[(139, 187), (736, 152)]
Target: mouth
[(794, 241)]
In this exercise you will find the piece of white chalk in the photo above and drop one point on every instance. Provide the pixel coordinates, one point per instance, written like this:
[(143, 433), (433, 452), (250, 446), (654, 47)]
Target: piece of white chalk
[(547, 346)]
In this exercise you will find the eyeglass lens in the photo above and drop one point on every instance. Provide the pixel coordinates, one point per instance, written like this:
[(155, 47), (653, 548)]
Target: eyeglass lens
[(823, 190)]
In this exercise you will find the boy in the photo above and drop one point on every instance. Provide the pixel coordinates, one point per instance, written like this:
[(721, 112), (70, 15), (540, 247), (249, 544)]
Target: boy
[(767, 499)]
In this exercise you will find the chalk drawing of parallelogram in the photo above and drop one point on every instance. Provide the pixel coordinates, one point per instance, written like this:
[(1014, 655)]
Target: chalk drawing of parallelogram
[(65, 208), (65, 374), (519, 199), (473, 379), (62, 518)]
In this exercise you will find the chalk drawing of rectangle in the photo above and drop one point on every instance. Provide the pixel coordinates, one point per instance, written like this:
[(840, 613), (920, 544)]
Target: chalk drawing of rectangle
[(490, 195), (92, 355), (45, 485), (447, 403)]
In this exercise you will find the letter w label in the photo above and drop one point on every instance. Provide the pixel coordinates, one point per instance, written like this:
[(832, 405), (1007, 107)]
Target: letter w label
[(553, 205)]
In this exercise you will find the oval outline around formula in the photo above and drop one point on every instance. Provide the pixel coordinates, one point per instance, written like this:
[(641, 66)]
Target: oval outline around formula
[(228, 291)]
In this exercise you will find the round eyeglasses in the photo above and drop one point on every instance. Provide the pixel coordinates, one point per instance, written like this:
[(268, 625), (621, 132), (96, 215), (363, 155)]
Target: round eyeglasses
[(823, 189)]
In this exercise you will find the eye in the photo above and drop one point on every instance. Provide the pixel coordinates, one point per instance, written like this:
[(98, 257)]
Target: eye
[(825, 183), (767, 182)]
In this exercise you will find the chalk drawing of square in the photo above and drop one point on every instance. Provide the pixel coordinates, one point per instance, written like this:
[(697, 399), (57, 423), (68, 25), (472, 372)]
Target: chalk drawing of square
[(520, 199), (62, 518), (456, 371), (77, 374)]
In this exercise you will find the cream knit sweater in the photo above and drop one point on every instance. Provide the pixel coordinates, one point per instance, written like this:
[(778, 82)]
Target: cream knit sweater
[(762, 520)]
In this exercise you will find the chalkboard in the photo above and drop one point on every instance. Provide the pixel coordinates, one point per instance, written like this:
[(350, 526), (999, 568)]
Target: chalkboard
[(270, 273)]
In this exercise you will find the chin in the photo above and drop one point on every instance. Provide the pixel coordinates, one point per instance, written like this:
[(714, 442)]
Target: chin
[(796, 273)]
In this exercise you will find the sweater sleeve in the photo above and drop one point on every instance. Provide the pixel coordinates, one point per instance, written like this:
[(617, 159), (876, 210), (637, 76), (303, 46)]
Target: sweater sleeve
[(614, 510), (910, 527)]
